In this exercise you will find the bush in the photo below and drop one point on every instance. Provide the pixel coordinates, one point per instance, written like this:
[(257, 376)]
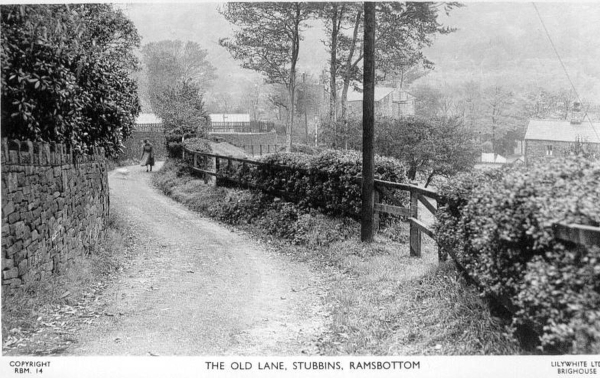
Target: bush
[(326, 182), (499, 225)]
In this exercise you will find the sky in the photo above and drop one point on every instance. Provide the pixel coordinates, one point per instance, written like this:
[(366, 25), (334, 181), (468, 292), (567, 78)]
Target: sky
[(480, 26)]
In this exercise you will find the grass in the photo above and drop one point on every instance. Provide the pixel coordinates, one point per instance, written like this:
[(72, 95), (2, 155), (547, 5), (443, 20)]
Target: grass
[(34, 308), (381, 300)]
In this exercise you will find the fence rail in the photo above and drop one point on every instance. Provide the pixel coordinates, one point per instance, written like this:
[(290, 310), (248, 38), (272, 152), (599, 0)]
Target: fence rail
[(241, 127), (382, 193), (260, 149), (574, 233)]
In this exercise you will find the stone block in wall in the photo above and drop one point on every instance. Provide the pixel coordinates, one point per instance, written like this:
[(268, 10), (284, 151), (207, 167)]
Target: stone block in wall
[(15, 282), (10, 273), (8, 208), (20, 229), (7, 264), (5, 230), (23, 267), (14, 248), (18, 197), (14, 218)]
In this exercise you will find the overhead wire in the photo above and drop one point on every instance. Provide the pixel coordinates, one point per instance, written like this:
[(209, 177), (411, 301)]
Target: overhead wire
[(564, 67)]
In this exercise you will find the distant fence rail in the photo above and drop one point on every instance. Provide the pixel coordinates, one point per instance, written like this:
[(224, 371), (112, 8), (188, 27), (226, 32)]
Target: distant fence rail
[(260, 149), (241, 127)]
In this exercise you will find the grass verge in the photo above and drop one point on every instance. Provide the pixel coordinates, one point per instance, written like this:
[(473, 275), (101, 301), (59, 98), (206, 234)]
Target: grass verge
[(381, 300)]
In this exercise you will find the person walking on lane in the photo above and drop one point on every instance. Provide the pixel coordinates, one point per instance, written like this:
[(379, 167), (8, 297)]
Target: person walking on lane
[(147, 158)]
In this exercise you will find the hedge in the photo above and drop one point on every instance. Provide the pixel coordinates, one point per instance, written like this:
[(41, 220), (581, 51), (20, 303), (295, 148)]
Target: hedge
[(498, 224), (326, 181)]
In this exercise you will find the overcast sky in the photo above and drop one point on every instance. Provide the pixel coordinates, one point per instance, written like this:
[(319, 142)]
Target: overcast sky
[(570, 25)]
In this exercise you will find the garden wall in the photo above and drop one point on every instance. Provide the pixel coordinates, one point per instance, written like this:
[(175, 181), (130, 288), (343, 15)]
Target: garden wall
[(54, 207)]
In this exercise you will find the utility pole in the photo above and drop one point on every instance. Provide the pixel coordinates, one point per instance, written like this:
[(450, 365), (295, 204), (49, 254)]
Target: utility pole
[(366, 226)]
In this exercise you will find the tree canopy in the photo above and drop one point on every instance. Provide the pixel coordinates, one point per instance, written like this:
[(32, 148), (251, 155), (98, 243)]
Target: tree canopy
[(66, 74), (268, 41), (170, 63), (439, 147)]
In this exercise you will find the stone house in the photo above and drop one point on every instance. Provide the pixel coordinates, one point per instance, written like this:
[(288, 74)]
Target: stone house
[(547, 138), (389, 102)]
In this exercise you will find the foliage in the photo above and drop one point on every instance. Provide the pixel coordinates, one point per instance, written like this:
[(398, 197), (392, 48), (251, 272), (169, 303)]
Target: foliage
[(65, 74), (438, 147), (326, 182), (499, 225), (183, 116), (403, 29), (268, 41), (381, 300), (170, 63)]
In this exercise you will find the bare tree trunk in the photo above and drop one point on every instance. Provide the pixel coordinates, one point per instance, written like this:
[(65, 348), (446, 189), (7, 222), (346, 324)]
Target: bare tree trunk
[(292, 83), (350, 66), (335, 28)]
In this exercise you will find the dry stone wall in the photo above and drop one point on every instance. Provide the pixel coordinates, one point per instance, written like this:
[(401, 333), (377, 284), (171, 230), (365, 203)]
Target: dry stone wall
[(55, 205)]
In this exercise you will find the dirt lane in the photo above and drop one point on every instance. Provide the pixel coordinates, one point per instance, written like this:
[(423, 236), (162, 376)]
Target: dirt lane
[(197, 288)]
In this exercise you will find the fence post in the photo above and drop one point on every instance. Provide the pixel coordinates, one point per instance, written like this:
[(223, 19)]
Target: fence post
[(216, 165), (205, 167), (376, 198), (252, 149), (260, 149), (195, 160), (415, 233)]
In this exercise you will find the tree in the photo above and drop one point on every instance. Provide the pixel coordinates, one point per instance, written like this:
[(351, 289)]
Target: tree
[(403, 30), (66, 75), (439, 147), (268, 41), (183, 115), (170, 63), (182, 110)]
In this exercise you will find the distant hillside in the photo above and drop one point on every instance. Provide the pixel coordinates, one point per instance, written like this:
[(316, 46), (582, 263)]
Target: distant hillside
[(506, 42)]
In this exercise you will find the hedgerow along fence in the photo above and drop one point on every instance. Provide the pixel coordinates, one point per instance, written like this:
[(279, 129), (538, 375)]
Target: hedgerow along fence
[(573, 233), (222, 167), (385, 201)]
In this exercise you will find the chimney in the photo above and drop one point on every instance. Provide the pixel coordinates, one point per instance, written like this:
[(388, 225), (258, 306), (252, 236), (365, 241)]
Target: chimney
[(576, 116)]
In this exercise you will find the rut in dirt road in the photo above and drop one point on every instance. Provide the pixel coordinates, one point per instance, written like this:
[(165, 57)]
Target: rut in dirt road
[(197, 288)]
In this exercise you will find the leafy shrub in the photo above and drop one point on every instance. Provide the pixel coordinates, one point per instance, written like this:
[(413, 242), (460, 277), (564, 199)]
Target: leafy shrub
[(499, 225), (326, 182)]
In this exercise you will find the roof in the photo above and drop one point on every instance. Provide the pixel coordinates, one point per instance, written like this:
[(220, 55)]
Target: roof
[(144, 118), (562, 131), (380, 93), (230, 117)]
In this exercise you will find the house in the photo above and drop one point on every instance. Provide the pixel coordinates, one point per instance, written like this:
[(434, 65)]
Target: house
[(389, 102), (147, 122), (546, 138)]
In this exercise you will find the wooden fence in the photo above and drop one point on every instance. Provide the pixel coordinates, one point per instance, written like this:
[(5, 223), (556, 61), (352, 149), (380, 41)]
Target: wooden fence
[(574, 233), (383, 193), (579, 234), (260, 149), (241, 127)]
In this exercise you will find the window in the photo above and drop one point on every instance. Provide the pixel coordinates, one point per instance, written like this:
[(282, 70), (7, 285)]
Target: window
[(549, 150)]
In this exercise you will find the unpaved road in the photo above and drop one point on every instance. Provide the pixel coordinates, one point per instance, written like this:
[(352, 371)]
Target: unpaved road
[(197, 288)]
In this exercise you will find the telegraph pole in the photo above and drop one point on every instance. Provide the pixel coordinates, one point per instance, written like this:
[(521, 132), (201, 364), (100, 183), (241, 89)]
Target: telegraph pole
[(366, 227)]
